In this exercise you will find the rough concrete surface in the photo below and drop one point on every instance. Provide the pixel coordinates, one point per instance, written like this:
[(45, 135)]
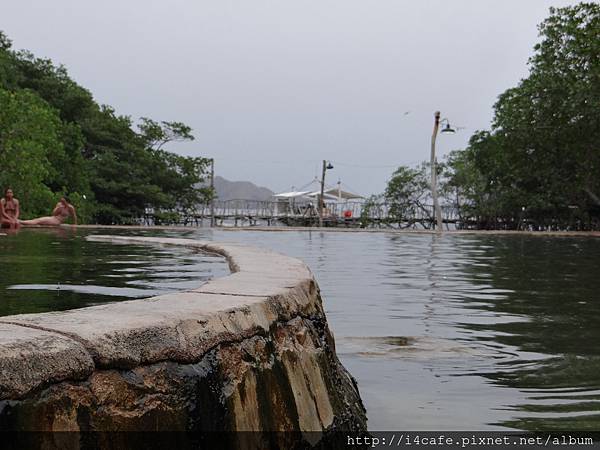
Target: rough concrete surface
[(248, 352)]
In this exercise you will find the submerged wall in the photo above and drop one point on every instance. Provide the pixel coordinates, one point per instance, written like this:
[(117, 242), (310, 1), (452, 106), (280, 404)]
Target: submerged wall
[(248, 352)]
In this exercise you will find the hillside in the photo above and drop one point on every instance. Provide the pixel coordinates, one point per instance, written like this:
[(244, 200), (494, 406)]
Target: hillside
[(233, 190)]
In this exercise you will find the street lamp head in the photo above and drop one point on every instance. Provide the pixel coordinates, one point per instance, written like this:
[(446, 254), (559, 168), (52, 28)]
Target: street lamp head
[(329, 165), (448, 129)]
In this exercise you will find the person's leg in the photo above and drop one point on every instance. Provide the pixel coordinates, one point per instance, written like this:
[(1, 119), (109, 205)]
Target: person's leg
[(42, 221), (26, 223)]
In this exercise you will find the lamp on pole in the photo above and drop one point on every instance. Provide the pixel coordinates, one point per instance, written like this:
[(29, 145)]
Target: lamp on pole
[(326, 166), (212, 192), (436, 204)]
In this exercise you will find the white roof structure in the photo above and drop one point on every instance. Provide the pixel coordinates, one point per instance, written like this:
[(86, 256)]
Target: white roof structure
[(313, 190), (292, 194), (326, 194)]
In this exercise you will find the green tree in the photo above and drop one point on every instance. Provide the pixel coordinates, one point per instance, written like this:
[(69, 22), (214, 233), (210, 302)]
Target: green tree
[(181, 179), (29, 138), (407, 193), (112, 172), (155, 135), (541, 159)]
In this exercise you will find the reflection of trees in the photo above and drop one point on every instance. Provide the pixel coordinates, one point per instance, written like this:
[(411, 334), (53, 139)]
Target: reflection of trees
[(553, 284), (564, 394), (44, 256), (53, 256)]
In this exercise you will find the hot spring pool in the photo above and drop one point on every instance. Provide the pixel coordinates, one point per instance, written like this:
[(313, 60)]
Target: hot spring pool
[(57, 269)]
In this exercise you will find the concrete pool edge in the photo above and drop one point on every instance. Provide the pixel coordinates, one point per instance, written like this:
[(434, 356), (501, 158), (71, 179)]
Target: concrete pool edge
[(270, 301)]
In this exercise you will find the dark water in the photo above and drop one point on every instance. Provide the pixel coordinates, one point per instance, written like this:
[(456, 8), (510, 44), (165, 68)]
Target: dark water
[(463, 332), (55, 269)]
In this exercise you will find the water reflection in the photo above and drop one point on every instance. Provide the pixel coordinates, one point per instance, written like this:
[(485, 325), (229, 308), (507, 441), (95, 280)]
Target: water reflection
[(50, 269), (461, 332), (551, 282)]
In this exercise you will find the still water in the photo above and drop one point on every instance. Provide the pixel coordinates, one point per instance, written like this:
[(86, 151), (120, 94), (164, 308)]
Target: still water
[(57, 269), (462, 332)]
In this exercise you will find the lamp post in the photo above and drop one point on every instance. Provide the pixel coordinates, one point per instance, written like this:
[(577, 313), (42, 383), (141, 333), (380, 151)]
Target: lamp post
[(438, 225), (212, 192), (326, 166)]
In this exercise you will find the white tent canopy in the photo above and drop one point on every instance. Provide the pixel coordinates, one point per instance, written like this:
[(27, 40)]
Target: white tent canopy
[(313, 189), (292, 194), (342, 194), (326, 195)]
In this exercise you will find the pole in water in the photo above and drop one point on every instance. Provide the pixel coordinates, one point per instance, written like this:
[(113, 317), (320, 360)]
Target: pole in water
[(437, 221), (212, 192), (321, 202)]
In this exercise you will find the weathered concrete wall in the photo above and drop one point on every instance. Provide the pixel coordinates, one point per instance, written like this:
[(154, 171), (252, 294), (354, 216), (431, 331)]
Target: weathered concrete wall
[(250, 351)]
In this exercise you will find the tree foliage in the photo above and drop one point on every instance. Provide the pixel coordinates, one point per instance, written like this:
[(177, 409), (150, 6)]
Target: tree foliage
[(539, 165), (155, 134), (541, 160), (29, 140), (74, 145), (407, 192)]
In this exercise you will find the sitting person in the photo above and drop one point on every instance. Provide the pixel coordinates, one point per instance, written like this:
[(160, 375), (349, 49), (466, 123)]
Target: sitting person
[(61, 212), (9, 210)]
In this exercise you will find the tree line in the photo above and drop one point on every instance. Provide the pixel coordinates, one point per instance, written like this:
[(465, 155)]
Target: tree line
[(538, 166), (55, 140)]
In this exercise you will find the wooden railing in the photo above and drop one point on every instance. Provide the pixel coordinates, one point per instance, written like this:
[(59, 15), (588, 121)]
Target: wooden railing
[(255, 212)]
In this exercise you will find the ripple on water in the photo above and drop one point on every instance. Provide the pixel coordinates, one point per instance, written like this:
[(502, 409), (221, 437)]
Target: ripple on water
[(45, 270), (464, 331)]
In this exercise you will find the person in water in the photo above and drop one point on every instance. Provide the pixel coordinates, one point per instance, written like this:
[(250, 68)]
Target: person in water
[(9, 210), (62, 211)]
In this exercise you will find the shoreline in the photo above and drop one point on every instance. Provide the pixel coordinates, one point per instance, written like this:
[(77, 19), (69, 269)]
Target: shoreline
[(348, 230)]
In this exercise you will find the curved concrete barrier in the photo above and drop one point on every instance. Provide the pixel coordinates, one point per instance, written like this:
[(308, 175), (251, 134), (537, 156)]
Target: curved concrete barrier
[(249, 351)]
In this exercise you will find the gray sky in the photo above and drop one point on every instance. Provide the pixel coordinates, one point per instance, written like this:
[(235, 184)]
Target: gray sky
[(273, 87)]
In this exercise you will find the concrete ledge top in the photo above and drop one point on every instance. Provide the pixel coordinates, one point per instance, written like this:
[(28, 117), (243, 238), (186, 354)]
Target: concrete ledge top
[(263, 289)]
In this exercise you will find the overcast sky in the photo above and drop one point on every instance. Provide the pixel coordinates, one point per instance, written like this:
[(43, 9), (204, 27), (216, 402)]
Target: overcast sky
[(271, 88)]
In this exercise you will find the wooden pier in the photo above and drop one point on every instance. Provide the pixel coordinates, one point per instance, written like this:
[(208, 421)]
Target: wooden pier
[(244, 213)]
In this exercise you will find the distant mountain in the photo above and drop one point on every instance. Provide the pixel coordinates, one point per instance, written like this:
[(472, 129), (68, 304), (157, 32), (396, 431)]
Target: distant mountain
[(234, 190)]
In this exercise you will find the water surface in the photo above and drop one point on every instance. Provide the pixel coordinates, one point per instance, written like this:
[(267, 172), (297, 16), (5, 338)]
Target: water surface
[(460, 332), (57, 269)]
